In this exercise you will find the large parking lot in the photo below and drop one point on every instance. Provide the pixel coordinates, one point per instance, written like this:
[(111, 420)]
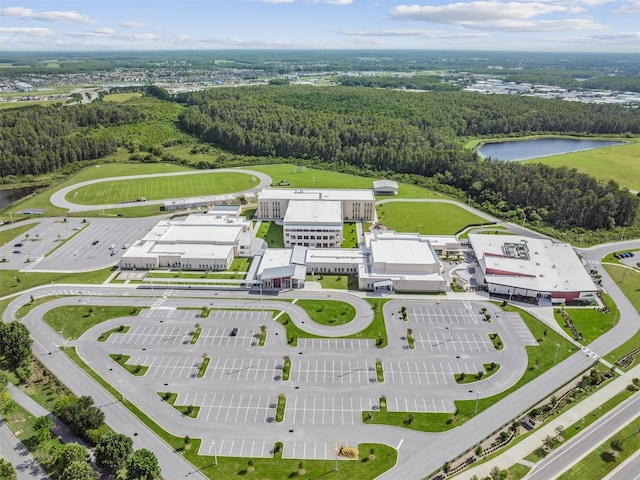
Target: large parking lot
[(331, 383), (59, 245)]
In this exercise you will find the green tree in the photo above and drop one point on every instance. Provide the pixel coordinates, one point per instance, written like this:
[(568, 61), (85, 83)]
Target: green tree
[(142, 465), (7, 472), (80, 414), (70, 453), (79, 471), (112, 451), (15, 342)]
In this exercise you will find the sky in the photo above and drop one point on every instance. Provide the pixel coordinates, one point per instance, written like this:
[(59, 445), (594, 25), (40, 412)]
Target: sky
[(520, 25)]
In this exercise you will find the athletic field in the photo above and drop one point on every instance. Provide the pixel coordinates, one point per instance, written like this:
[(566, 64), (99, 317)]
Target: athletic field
[(158, 188)]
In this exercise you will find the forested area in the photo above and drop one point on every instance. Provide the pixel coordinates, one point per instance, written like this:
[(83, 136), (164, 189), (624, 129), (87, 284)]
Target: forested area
[(421, 134), (42, 140)]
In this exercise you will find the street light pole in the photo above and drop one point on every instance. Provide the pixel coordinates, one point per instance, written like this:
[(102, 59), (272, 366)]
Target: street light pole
[(477, 398), (215, 454), (121, 389), (555, 357)]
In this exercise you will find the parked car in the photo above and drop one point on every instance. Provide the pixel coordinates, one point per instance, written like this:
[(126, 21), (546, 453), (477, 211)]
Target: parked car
[(125, 246), (234, 332), (18, 245), (95, 242), (17, 251)]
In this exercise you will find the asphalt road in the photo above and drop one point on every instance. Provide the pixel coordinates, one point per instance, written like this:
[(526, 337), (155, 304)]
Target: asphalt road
[(572, 451), (59, 198), (12, 450)]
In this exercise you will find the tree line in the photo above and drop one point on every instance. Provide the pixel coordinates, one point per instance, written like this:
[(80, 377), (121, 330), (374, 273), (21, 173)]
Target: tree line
[(391, 131), (34, 141)]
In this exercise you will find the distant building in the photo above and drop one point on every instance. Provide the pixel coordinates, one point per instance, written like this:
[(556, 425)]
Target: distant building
[(385, 187), (356, 204), (24, 87), (538, 270)]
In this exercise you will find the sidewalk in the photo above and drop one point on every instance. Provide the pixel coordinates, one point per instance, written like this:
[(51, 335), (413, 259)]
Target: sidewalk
[(517, 453)]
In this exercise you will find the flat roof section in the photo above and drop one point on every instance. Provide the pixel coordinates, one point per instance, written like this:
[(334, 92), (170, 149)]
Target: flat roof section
[(401, 250), (200, 233), (316, 194), (313, 212)]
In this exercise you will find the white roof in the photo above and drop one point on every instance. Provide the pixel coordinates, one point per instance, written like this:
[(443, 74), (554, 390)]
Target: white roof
[(186, 233), (316, 194), (531, 263), (275, 257), (150, 249), (402, 249), (313, 212), (385, 184), (335, 255)]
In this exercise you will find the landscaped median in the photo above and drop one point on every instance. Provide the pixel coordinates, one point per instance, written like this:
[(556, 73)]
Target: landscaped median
[(190, 411), (277, 467), (74, 320)]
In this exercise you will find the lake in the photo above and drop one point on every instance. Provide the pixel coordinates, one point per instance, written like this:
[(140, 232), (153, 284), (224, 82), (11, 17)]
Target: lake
[(540, 147), (10, 195)]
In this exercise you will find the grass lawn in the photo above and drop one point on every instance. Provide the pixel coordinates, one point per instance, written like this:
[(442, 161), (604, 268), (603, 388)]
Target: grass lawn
[(349, 235), (29, 103), (602, 460), (619, 163), (115, 165), (121, 97), (425, 218), (518, 471), (27, 307), (157, 188), (190, 411), (328, 312), (240, 264), (628, 281), (104, 336), (471, 377), (314, 178), (339, 282), (13, 281), (272, 233), (10, 234), (589, 321), (74, 320), (203, 367), (540, 359), (264, 468), (121, 359)]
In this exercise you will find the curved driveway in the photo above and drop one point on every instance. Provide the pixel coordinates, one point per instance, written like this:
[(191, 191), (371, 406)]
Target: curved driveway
[(59, 198)]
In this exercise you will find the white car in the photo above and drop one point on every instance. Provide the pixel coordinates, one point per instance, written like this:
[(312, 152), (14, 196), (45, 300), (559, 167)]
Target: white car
[(125, 246), (112, 247)]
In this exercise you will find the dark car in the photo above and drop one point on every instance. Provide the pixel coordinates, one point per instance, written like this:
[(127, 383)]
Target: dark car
[(18, 245), (95, 242), (234, 332), (17, 251)]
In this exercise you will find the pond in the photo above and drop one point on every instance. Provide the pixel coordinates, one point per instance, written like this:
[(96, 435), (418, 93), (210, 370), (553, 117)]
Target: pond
[(10, 195), (540, 147)]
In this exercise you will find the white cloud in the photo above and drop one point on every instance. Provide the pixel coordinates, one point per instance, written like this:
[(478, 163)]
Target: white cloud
[(48, 16), (477, 11), (631, 7), (632, 38), (30, 31), (414, 33), (277, 1), (369, 41), (132, 24), (339, 3)]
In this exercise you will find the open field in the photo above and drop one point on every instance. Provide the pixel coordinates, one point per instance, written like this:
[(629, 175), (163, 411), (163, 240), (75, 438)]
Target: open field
[(425, 218), (121, 97), (163, 187), (617, 163)]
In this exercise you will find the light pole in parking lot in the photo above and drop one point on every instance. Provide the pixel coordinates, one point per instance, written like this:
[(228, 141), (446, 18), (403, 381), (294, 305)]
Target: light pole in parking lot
[(215, 454)]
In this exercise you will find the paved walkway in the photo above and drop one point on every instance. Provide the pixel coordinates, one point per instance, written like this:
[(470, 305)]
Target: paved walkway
[(14, 451), (518, 452)]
